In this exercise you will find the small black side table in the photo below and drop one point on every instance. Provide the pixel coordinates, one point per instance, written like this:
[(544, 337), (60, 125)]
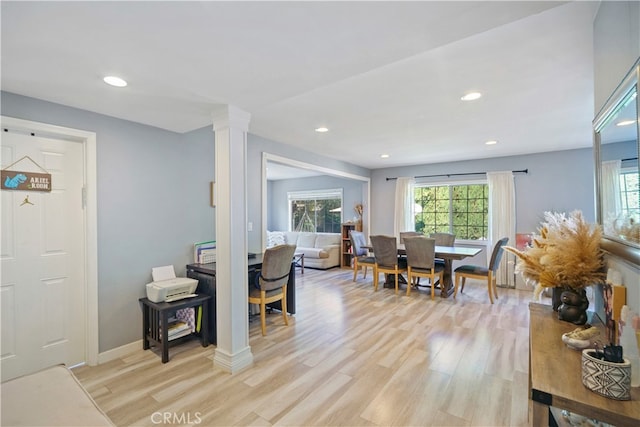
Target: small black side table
[(155, 321)]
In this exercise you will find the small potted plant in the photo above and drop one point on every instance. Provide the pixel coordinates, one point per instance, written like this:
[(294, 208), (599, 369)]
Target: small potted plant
[(565, 256)]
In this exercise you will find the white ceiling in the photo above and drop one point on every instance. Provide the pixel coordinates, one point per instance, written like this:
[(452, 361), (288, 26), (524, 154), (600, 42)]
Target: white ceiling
[(384, 77)]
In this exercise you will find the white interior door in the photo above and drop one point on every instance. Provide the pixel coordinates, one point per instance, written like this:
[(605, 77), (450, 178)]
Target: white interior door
[(42, 293)]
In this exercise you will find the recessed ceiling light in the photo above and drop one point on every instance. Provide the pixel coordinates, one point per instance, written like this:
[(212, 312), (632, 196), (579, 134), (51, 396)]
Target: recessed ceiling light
[(115, 81), (625, 123), (492, 142), (384, 156), (322, 129), (471, 96)]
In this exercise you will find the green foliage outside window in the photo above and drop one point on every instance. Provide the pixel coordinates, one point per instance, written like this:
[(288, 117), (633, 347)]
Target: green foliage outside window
[(459, 209), (316, 215)]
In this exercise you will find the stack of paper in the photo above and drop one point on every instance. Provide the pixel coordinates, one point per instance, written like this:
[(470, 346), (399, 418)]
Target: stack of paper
[(178, 329), (204, 252)]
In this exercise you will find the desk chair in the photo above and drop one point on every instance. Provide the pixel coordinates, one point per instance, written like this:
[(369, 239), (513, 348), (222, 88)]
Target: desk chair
[(421, 253), (360, 255), (276, 265), (385, 251), (482, 273)]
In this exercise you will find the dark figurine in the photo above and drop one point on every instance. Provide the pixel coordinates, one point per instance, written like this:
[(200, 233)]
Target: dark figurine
[(574, 307)]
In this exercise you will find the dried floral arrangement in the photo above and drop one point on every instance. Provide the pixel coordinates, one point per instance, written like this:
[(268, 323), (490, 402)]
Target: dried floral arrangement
[(566, 253), (359, 209)]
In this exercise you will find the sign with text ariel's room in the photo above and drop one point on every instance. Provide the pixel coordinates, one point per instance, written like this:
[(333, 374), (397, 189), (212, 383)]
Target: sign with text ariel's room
[(26, 181)]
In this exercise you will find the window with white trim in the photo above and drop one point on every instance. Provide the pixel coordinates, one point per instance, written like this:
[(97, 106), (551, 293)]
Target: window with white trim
[(458, 208), (315, 210), (630, 192)]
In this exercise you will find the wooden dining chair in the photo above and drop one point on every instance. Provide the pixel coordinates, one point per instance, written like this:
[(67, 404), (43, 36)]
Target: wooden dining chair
[(443, 239), (421, 252), (404, 234), (385, 252), (482, 273), (361, 257), (272, 281)]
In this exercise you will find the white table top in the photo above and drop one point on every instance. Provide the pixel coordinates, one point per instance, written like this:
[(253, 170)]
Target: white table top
[(453, 252)]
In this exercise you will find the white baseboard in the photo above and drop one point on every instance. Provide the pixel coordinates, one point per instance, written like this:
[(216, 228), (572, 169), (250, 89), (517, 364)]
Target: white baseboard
[(118, 352), (233, 363)]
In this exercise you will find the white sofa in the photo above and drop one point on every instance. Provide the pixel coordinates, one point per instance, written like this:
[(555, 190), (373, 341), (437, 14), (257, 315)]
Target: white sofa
[(321, 250)]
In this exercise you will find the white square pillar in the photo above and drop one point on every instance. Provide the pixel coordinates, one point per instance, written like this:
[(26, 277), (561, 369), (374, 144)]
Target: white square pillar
[(233, 352)]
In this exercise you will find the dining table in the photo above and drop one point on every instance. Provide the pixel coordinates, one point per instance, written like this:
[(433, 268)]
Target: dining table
[(448, 254)]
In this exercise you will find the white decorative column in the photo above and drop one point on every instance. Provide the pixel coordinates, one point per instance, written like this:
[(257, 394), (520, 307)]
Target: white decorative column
[(233, 352)]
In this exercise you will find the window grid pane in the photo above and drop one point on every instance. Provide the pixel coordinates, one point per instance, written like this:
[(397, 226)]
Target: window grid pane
[(630, 194), (459, 209), (316, 215)]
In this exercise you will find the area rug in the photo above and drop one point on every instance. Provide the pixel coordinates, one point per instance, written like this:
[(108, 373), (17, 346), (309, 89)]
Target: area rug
[(51, 397)]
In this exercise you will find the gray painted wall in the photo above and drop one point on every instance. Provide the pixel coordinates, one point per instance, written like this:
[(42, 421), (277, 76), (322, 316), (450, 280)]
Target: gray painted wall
[(619, 150), (558, 181), (153, 204)]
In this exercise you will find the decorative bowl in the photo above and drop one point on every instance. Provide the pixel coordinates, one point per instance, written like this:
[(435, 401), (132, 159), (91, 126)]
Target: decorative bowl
[(575, 343), (581, 337)]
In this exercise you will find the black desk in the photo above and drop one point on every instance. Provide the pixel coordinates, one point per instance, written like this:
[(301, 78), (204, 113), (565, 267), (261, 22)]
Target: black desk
[(205, 274), (155, 321)]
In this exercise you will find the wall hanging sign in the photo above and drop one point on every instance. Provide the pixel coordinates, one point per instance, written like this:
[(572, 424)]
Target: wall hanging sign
[(25, 181)]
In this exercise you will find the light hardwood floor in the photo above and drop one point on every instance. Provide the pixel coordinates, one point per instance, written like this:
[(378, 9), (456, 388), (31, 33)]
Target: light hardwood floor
[(349, 357)]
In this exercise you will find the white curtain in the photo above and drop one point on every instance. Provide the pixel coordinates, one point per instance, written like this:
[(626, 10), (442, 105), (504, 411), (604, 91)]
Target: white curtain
[(404, 206), (610, 197), (502, 221)]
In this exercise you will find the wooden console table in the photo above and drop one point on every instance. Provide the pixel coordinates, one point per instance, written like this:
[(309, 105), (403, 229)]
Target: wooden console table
[(555, 377)]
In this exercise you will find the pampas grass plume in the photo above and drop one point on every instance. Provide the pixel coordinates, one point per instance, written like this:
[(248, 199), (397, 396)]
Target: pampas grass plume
[(565, 254)]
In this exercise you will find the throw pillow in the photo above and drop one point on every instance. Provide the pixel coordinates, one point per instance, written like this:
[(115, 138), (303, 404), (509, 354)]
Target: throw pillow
[(275, 238)]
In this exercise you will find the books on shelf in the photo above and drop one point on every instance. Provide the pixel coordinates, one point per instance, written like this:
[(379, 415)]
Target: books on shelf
[(180, 334), (177, 329), (177, 326)]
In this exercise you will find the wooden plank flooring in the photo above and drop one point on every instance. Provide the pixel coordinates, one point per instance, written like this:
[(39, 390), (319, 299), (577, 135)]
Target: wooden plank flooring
[(349, 357)]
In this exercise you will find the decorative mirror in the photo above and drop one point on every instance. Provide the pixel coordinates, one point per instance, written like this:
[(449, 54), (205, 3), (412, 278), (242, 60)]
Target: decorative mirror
[(616, 151)]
